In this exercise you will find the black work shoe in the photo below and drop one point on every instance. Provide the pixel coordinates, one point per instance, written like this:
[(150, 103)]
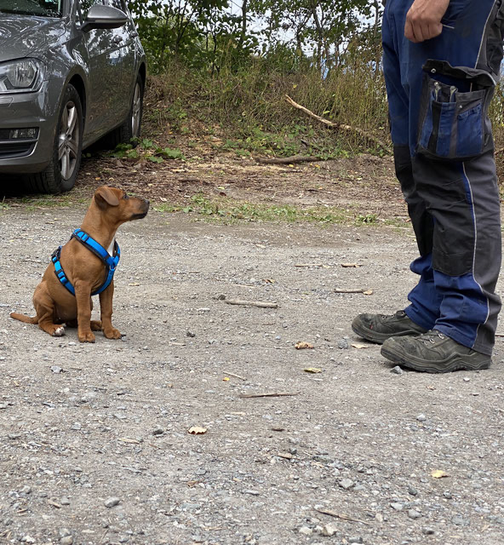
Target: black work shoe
[(377, 328), (433, 352)]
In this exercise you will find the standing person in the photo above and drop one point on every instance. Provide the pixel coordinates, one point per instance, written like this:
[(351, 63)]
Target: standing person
[(441, 63)]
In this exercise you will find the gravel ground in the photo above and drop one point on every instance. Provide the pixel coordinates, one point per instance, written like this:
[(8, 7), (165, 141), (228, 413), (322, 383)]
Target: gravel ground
[(95, 445)]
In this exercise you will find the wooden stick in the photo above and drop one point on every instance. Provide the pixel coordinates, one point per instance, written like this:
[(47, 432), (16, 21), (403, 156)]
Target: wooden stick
[(350, 290), (340, 126), (338, 515), (273, 394), (288, 160), (261, 304), (233, 375)]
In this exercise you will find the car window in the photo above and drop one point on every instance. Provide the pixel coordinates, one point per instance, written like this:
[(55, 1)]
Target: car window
[(87, 4), (119, 4), (41, 8)]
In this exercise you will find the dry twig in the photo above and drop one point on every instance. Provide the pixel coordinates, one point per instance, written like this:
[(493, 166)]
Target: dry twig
[(261, 304), (340, 516), (233, 375), (288, 160), (349, 290), (341, 126), (272, 394)]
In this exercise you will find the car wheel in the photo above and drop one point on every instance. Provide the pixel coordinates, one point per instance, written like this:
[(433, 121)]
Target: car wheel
[(61, 173), (129, 131)]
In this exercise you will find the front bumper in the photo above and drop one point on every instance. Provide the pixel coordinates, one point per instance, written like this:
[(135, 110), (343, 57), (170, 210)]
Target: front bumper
[(23, 111)]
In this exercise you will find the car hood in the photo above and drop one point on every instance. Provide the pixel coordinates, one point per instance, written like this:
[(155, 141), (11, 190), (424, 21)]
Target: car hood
[(27, 36)]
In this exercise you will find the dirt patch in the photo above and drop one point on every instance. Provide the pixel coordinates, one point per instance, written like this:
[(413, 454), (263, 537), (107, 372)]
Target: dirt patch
[(363, 185)]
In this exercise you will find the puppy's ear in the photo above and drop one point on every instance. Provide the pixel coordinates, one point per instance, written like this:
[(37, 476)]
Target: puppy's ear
[(106, 196)]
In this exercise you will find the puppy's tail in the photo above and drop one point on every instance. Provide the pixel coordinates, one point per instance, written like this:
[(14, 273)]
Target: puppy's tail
[(24, 318)]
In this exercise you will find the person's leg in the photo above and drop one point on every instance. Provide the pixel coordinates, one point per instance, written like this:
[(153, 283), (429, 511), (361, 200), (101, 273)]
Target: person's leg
[(461, 196), (424, 298), (453, 204), (424, 308), (469, 308)]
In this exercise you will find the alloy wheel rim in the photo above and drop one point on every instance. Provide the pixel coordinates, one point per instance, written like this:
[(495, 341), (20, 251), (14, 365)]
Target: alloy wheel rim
[(68, 145), (136, 111)]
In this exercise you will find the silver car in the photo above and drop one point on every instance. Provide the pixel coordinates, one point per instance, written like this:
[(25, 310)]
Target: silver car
[(71, 71)]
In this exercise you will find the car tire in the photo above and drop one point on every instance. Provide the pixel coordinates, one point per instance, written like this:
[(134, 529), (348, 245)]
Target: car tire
[(129, 131), (61, 173)]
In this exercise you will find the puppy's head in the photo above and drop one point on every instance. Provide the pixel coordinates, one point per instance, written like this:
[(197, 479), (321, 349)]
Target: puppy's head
[(119, 206)]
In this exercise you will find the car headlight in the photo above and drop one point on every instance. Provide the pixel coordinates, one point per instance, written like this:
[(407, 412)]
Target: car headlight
[(22, 76)]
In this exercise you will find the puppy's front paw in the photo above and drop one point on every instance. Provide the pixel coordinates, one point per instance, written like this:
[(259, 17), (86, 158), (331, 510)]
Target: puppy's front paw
[(86, 337), (112, 333)]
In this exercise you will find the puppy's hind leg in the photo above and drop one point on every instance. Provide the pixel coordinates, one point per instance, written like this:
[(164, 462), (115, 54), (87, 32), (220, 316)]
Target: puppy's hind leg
[(96, 325), (45, 307)]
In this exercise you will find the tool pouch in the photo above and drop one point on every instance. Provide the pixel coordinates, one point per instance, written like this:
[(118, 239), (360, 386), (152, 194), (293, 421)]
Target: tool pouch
[(453, 118)]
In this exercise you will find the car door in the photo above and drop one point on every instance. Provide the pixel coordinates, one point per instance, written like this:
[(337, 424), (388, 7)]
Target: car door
[(108, 59), (124, 54)]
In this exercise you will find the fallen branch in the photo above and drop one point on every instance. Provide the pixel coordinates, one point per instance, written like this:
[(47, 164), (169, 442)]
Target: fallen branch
[(341, 126), (288, 160), (351, 290), (273, 394), (233, 375), (261, 304), (340, 516)]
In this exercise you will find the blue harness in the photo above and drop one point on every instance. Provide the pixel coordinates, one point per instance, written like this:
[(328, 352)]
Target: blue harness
[(99, 251)]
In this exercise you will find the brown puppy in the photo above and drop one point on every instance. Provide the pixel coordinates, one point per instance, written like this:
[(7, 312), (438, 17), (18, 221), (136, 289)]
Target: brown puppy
[(85, 271)]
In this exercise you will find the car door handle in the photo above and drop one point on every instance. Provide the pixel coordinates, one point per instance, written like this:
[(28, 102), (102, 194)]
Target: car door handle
[(117, 40)]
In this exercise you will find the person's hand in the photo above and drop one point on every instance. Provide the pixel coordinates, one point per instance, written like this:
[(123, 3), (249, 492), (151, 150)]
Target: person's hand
[(423, 20)]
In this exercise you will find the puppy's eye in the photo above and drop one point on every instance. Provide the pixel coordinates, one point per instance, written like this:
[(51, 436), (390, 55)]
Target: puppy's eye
[(125, 196)]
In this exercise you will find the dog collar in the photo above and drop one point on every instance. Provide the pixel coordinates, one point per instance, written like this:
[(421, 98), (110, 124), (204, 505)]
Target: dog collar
[(90, 243)]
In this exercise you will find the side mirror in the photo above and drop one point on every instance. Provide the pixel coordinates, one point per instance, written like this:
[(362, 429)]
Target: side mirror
[(100, 16)]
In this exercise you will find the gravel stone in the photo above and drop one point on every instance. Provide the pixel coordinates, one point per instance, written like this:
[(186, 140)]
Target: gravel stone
[(414, 514), (305, 530), (343, 344), (112, 502), (329, 529), (346, 484)]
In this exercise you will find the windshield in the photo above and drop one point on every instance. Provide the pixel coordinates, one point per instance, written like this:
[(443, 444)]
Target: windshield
[(41, 8)]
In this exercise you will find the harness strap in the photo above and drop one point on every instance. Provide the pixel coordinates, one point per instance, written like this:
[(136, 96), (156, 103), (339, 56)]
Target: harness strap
[(60, 273), (97, 249)]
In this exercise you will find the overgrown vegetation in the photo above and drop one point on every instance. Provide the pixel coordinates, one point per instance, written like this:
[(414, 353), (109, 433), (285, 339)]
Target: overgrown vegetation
[(246, 106), (215, 72), (223, 68)]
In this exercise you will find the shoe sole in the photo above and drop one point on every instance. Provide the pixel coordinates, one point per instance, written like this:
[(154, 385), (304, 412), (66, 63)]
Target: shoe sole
[(446, 366), (380, 338)]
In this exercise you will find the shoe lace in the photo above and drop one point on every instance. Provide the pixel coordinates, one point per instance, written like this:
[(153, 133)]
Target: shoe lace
[(398, 314), (431, 337)]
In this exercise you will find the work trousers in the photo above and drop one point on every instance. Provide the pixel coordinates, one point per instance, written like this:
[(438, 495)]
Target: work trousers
[(439, 92)]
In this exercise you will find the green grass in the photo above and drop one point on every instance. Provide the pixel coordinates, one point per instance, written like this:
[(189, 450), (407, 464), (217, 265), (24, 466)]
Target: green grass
[(37, 202), (227, 211)]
